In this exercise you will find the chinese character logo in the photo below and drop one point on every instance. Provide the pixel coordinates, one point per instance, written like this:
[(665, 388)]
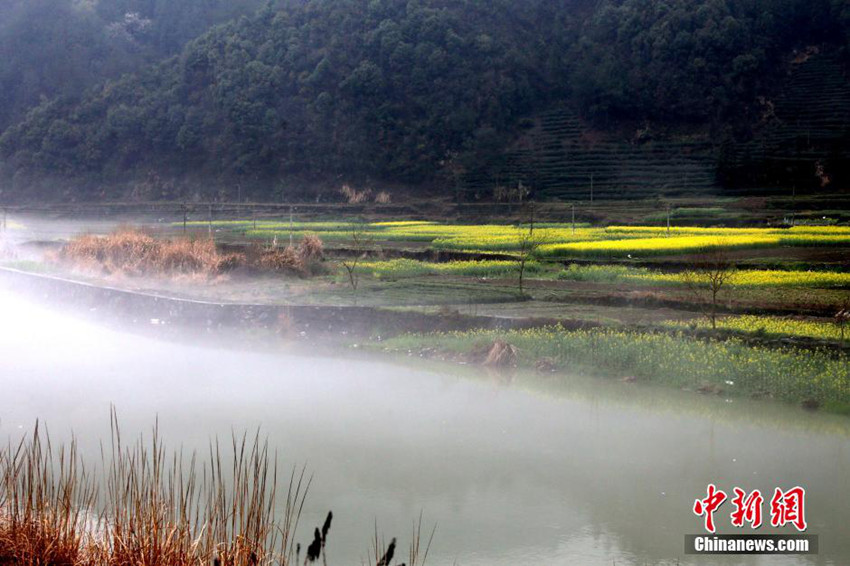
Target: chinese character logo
[(788, 507), (747, 508), (706, 507)]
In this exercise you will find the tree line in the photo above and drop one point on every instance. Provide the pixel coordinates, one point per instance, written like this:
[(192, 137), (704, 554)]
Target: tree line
[(398, 91)]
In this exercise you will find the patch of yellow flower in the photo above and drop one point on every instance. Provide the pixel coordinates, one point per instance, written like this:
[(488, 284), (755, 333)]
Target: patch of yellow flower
[(658, 245), (774, 325), (561, 239), (740, 278)]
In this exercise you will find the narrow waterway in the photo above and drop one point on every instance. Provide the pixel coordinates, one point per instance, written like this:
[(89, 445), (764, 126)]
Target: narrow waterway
[(576, 471)]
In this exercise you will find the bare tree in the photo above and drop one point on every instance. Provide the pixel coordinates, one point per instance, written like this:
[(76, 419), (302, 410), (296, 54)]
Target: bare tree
[(529, 241), (359, 241), (842, 317), (709, 275)]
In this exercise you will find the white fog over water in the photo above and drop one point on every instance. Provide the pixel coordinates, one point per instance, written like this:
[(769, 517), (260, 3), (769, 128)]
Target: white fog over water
[(589, 472)]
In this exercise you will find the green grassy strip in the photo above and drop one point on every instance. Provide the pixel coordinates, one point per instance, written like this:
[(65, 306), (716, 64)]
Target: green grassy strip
[(397, 268), (667, 358), (740, 278)]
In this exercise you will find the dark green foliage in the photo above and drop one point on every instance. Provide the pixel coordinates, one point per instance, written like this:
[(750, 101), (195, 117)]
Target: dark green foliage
[(694, 60), (61, 47), (402, 91)]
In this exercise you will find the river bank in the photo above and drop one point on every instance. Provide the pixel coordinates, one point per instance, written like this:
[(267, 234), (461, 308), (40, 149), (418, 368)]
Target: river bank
[(807, 371)]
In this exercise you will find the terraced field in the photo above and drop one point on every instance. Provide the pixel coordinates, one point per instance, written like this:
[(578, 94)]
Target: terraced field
[(807, 129), (562, 159)]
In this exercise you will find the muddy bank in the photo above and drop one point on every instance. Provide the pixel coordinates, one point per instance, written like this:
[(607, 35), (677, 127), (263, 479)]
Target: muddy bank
[(302, 321), (330, 324)]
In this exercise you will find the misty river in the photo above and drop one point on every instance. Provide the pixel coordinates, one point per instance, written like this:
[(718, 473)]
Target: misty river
[(527, 470)]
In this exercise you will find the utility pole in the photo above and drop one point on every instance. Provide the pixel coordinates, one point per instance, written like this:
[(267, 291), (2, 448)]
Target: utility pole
[(290, 226), (185, 211), (209, 224), (668, 220), (573, 208), (591, 188), (793, 202)]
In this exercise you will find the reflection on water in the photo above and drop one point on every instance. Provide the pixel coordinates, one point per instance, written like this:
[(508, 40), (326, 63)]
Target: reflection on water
[(575, 471)]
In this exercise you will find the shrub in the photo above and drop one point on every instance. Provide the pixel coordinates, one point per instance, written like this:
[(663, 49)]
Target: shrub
[(353, 196), (311, 248), (286, 259)]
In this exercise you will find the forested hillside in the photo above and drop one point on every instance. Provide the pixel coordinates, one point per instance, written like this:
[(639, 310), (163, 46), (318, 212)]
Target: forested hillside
[(420, 93), (60, 47)]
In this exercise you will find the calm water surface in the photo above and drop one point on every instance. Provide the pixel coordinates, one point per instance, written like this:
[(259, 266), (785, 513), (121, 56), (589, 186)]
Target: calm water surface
[(575, 471)]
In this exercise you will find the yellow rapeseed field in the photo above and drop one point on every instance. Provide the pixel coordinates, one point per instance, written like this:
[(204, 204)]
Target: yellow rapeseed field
[(774, 325), (561, 239), (740, 278)]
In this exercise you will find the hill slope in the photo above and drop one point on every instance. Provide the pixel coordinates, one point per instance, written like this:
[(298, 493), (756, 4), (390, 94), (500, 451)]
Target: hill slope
[(637, 94), (56, 48)]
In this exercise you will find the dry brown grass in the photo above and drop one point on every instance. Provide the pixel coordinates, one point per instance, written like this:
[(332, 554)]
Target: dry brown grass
[(133, 252), (353, 196), (150, 507), (283, 259), (153, 508), (501, 354), (311, 247), (129, 251), (302, 260)]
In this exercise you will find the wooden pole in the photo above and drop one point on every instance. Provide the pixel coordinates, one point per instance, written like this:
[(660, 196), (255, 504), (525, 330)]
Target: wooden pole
[(668, 220), (573, 208), (185, 214), (209, 224), (290, 226), (591, 188)]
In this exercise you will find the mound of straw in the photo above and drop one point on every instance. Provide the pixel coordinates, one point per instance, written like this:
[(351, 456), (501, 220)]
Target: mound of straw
[(136, 253)]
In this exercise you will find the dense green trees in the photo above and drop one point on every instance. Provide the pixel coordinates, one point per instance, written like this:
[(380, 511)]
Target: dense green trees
[(392, 90), (53, 48), (689, 60)]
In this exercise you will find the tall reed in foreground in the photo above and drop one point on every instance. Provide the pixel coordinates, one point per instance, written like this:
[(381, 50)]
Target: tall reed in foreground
[(151, 507), (46, 497)]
